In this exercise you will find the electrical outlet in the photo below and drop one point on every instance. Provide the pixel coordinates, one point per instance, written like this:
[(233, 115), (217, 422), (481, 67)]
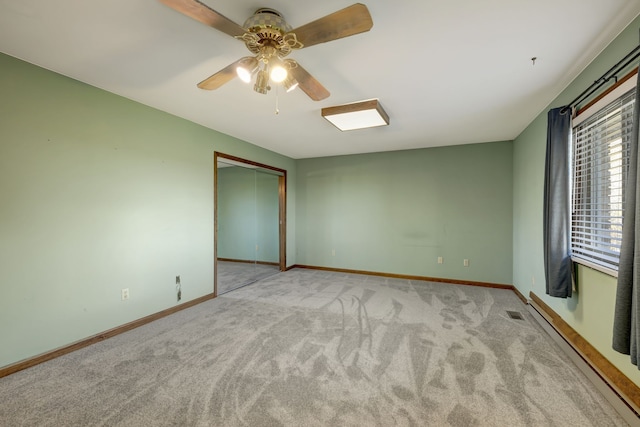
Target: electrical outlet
[(333, 252), (440, 260), (465, 263), (125, 294)]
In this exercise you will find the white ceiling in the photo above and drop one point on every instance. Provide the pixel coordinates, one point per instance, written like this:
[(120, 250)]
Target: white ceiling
[(446, 72)]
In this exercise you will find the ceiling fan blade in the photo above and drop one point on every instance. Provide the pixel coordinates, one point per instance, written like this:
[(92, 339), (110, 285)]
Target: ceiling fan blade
[(309, 84), (203, 13), (221, 77), (351, 20)]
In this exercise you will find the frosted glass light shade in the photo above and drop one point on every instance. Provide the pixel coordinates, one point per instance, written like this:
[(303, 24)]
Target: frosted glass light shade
[(278, 74), (246, 67), (358, 115)]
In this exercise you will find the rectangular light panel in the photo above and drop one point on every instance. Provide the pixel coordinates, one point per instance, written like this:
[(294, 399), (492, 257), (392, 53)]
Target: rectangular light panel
[(357, 115)]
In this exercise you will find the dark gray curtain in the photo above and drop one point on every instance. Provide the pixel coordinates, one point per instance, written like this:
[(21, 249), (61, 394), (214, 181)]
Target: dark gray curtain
[(557, 214), (625, 323)]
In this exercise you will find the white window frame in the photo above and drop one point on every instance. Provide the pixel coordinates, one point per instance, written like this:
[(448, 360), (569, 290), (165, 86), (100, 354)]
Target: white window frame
[(618, 92)]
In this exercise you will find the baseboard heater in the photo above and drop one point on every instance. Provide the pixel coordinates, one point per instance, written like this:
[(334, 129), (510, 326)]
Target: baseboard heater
[(624, 405)]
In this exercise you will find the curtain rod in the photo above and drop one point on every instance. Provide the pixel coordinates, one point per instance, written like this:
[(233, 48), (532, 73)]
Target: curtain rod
[(612, 73)]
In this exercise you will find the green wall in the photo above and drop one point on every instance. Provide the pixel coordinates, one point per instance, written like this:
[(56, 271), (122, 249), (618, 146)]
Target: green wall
[(397, 212), (100, 193), (248, 219), (590, 310)]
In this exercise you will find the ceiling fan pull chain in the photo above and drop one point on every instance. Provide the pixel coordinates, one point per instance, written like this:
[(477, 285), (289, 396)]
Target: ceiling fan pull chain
[(277, 109)]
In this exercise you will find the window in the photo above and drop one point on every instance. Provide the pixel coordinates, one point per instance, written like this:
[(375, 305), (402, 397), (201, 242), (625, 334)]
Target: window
[(600, 160)]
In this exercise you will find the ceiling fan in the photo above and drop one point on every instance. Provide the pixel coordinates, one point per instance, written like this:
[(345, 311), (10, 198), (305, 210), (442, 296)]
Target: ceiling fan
[(270, 39)]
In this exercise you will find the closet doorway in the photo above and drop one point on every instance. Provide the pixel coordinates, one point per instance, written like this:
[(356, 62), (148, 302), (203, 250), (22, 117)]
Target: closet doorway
[(249, 221)]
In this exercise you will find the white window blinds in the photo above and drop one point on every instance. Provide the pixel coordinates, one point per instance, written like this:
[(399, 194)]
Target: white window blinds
[(600, 161)]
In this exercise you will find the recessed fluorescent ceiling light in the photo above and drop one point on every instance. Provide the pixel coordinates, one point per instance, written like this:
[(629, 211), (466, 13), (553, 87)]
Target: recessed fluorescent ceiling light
[(357, 115)]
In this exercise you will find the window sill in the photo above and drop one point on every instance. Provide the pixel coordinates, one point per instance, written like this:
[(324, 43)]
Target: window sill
[(605, 270)]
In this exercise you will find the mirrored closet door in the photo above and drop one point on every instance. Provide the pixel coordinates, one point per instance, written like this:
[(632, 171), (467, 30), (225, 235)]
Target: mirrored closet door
[(248, 222)]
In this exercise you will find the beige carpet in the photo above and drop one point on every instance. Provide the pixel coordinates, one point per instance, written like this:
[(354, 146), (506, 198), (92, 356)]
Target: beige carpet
[(313, 348), (233, 275)]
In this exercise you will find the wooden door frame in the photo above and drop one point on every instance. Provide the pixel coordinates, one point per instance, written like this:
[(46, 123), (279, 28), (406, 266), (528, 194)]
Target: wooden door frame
[(282, 211)]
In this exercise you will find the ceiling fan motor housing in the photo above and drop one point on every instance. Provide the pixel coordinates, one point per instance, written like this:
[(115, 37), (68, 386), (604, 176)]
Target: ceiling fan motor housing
[(267, 27), (267, 18)]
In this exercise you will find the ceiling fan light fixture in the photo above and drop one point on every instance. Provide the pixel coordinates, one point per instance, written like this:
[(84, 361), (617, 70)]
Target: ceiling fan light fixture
[(246, 68), (267, 35), (277, 72), (357, 115), (262, 82)]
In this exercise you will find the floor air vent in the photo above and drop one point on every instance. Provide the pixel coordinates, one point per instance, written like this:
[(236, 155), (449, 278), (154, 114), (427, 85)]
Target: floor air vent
[(515, 315)]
